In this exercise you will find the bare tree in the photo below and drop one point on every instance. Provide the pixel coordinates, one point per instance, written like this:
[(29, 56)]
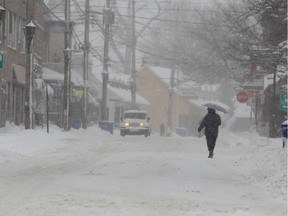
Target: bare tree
[(194, 47), (121, 38), (214, 42)]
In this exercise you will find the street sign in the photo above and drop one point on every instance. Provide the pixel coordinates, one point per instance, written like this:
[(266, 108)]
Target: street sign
[(1, 60), (242, 97), (283, 100)]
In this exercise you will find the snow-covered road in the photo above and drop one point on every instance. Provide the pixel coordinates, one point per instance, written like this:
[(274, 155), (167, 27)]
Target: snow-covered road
[(93, 173)]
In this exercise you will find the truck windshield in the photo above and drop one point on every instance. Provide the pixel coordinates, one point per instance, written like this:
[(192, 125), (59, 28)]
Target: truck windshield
[(135, 115)]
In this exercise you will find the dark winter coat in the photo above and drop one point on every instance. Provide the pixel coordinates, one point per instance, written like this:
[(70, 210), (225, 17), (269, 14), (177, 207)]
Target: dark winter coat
[(211, 122), (284, 127)]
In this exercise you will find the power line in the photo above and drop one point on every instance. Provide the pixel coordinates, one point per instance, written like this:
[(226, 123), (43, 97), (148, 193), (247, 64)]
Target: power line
[(171, 2), (57, 5)]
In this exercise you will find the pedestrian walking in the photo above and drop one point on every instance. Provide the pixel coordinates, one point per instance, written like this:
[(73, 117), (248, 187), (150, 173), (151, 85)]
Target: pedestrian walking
[(211, 122), (284, 127)]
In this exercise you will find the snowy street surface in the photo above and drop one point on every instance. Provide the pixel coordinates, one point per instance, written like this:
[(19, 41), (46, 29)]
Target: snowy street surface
[(92, 173)]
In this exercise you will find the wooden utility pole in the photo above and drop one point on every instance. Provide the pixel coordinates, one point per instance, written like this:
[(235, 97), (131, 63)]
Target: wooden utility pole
[(28, 112), (170, 100), (28, 91), (172, 82), (273, 106), (85, 63), (108, 19), (67, 71), (133, 59), (3, 48)]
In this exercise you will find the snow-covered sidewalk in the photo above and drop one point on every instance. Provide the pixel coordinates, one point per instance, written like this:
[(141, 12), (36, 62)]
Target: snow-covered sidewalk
[(90, 172)]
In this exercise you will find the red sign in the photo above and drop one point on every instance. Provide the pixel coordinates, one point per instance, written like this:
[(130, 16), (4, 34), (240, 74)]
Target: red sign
[(242, 97)]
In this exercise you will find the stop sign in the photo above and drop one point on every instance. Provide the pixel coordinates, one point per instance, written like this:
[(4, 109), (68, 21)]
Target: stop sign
[(242, 97)]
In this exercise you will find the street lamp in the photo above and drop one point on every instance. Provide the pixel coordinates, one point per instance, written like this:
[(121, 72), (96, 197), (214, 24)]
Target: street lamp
[(29, 31)]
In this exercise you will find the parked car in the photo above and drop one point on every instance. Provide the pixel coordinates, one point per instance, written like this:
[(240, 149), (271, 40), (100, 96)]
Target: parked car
[(135, 122)]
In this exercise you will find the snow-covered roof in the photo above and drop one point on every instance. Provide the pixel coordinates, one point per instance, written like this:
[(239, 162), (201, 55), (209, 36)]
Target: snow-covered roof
[(254, 84), (189, 84), (119, 76), (123, 94), (76, 77), (209, 88), (268, 79), (163, 74), (49, 74)]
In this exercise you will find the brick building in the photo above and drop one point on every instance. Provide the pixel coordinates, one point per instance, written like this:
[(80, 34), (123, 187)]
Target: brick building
[(12, 43)]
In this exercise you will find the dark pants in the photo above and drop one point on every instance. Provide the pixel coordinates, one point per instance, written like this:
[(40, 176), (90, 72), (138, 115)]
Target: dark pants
[(211, 142)]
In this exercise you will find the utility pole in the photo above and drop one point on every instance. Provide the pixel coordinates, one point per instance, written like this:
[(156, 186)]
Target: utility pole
[(133, 59), (3, 48), (67, 71), (172, 82), (273, 105), (108, 19), (29, 31), (85, 63), (170, 100)]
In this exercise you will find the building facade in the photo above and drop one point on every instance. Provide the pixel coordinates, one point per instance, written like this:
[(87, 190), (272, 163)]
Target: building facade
[(12, 44), (153, 83)]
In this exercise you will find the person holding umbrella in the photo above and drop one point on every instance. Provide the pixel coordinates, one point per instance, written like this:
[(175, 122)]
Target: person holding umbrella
[(211, 122)]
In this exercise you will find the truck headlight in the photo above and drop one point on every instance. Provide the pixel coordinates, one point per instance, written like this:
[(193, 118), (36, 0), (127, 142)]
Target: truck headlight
[(126, 124), (141, 124)]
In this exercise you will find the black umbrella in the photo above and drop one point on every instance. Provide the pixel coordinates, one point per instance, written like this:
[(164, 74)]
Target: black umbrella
[(215, 106)]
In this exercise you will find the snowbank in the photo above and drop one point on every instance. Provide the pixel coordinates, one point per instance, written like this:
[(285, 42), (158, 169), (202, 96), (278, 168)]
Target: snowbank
[(263, 160)]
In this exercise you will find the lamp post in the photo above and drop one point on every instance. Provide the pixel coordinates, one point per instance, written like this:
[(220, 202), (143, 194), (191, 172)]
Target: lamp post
[(29, 31)]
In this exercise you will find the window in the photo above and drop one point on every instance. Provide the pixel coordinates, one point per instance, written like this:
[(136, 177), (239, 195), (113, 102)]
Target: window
[(1, 32), (19, 29), (21, 38), (11, 29), (135, 115), (6, 24)]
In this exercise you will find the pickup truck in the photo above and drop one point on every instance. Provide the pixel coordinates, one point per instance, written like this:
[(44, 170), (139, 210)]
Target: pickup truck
[(135, 122)]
